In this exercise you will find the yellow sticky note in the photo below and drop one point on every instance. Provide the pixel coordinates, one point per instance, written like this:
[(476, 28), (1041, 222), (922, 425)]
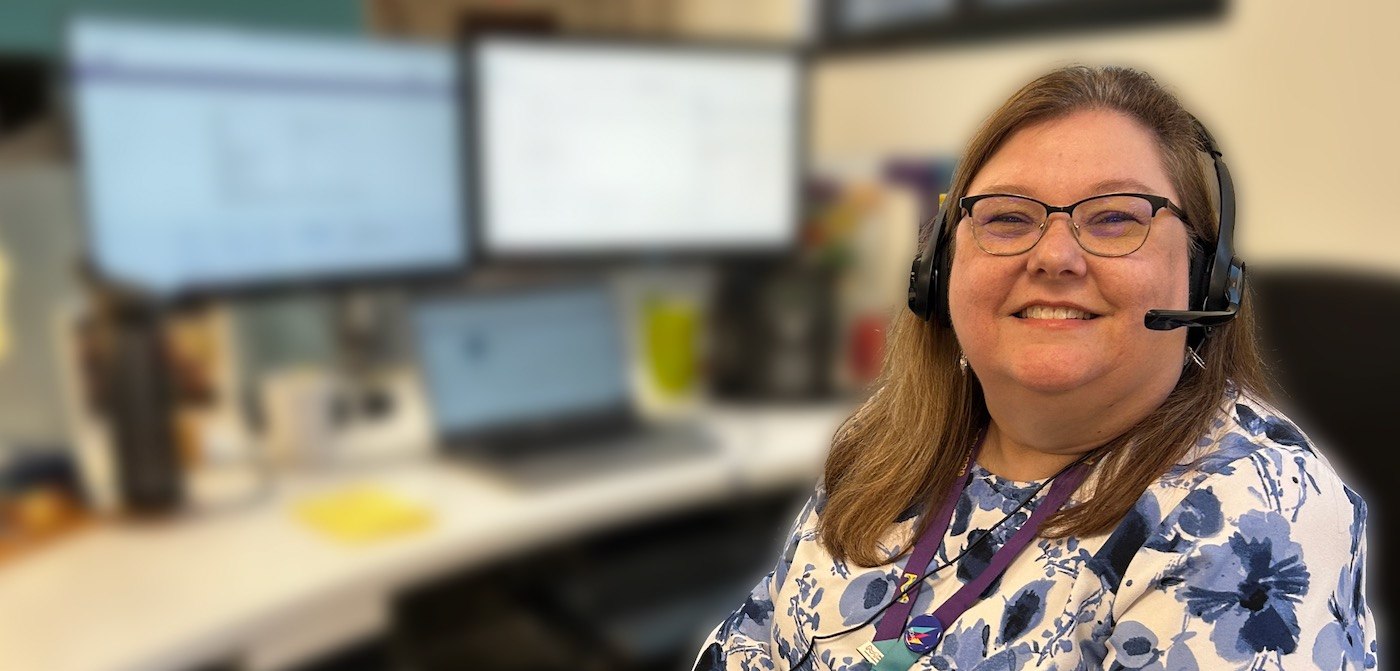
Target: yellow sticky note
[(363, 513)]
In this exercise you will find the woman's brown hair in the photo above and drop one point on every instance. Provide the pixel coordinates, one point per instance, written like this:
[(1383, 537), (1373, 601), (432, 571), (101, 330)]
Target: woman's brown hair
[(904, 445)]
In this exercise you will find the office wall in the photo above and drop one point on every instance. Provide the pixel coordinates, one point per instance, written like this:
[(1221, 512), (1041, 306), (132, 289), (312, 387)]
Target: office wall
[(1299, 93), (781, 20), (39, 240)]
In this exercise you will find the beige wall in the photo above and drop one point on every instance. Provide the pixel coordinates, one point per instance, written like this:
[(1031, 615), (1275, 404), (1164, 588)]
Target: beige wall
[(1302, 96), (781, 20)]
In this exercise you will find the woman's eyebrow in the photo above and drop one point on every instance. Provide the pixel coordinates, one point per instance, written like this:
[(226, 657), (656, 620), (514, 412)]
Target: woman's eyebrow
[(1007, 188), (1106, 186), (1121, 185)]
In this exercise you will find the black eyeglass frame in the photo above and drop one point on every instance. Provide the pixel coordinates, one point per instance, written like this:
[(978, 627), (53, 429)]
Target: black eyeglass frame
[(1157, 203)]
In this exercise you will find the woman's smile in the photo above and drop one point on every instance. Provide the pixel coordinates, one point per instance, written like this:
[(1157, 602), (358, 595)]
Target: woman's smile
[(1051, 312)]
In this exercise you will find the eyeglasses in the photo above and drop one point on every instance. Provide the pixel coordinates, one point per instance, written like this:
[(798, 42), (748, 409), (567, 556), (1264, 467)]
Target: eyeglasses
[(1114, 224)]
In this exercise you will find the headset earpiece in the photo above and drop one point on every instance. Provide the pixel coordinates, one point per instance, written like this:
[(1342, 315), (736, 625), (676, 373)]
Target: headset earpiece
[(928, 294), (1198, 279), (944, 261)]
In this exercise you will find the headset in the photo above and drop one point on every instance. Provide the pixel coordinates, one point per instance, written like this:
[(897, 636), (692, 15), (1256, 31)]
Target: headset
[(1217, 279)]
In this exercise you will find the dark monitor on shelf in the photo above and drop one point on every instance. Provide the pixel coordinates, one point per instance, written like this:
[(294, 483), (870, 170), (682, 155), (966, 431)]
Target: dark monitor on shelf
[(218, 158), (862, 26), (590, 148)]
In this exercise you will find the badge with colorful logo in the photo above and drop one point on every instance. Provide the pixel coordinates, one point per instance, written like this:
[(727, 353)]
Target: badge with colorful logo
[(923, 633)]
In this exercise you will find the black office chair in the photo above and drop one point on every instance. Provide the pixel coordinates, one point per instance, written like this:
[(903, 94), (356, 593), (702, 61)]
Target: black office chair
[(1331, 338)]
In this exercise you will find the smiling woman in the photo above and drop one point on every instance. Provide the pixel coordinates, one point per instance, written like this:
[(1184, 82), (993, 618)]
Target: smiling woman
[(1057, 387), (1048, 475)]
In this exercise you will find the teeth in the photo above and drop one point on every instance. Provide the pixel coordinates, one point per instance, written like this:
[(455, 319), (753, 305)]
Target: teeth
[(1045, 312)]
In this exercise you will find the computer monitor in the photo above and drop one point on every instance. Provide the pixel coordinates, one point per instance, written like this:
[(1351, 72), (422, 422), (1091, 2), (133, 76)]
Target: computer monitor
[(217, 158), (588, 149), (522, 365)]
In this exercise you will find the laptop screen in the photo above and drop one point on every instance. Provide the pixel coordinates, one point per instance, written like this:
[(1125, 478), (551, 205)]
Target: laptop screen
[(520, 358)]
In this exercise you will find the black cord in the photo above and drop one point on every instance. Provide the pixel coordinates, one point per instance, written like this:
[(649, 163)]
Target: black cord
[(812, 645)]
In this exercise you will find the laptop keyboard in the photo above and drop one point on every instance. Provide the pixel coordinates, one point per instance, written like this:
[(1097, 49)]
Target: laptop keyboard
[(571, 460)]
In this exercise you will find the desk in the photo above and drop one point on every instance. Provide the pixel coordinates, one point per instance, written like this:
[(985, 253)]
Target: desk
[(256, 585)]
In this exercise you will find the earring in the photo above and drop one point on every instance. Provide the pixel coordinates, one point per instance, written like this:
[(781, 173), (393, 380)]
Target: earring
[(962, 363), (1193, 357)]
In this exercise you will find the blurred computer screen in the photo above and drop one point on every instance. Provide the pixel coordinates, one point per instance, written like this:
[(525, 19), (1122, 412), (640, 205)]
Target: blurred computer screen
[(499, 359), (217, 157), (587, 147)]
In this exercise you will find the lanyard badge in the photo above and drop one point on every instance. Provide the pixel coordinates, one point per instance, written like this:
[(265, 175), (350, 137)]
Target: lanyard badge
[(899, 641)]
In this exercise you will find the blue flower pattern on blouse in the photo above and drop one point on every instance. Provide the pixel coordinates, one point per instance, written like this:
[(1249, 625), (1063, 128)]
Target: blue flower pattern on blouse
[(1248, 587), (1249, 554)]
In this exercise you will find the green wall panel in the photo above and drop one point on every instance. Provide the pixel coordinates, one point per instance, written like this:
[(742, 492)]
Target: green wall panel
[(35, 26)]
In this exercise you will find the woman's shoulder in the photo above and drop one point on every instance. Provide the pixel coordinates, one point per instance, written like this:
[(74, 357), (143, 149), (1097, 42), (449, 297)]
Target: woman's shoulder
[(1257, 462), (1253, 464), (1247, 438), (1255, 478), (1255, 535)]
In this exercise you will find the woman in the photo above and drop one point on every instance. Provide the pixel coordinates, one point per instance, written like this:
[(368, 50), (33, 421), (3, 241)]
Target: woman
[(1040, 481)]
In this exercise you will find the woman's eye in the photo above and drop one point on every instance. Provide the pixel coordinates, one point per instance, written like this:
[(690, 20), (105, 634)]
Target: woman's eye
[(1008, 228), (1107, 230), (1112, 225), (1114, 218)]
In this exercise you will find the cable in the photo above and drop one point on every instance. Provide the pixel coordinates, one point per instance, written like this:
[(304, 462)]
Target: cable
[(812, 645)]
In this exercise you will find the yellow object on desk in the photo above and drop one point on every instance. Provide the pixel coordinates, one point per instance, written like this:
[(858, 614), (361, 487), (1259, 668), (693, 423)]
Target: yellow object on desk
[(362, 514)]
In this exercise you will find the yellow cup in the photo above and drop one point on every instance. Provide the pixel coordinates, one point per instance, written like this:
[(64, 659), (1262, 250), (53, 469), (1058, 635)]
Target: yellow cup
[(671, 327)]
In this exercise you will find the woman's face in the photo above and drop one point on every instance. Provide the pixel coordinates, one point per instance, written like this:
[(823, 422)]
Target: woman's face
[(1062, 161)]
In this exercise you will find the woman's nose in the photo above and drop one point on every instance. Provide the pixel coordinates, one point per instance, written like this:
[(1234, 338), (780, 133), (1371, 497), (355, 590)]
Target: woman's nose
[(1058, 253)]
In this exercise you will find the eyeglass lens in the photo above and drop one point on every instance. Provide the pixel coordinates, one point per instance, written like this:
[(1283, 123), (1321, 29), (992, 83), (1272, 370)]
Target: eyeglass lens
[(1108, 226)]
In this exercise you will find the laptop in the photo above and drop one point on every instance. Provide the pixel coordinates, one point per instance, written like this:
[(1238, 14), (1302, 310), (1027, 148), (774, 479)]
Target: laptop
[(534, 382)]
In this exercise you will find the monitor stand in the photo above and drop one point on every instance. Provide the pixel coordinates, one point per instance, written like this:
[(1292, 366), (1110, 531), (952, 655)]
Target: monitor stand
[(367, 350), (358, 403), (373, 405)]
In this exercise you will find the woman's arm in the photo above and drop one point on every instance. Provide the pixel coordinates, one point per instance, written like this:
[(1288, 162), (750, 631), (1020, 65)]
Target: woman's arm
[(744, 640), (1263, 561)]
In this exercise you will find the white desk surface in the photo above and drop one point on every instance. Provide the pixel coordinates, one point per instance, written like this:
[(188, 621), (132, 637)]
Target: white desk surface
[(257, 585)]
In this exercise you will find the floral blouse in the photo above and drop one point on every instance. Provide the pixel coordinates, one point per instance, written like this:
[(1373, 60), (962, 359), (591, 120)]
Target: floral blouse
[(1249, 554)]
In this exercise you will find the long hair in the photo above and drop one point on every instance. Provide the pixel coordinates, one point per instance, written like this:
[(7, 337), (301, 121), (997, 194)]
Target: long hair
[(905, 444)]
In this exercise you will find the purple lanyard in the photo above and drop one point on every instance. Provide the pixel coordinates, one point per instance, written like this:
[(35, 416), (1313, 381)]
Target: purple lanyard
[(892, 623)]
